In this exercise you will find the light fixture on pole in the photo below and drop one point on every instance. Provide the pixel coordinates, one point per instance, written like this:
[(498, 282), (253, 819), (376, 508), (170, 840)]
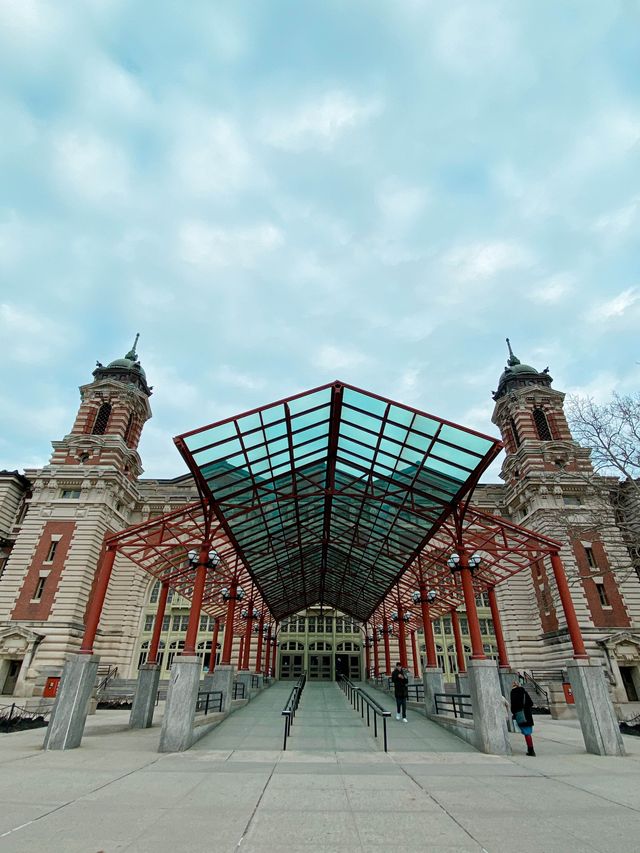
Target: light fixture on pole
[(473, 562), (213, 558), (406, 616), (429, 597), (225, 592)]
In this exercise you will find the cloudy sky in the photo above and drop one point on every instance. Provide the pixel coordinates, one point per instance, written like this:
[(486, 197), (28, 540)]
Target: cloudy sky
[(278, 194)]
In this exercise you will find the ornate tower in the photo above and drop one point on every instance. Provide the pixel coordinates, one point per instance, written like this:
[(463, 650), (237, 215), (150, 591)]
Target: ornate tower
[(86, 492), (113, 410), (550, 487)]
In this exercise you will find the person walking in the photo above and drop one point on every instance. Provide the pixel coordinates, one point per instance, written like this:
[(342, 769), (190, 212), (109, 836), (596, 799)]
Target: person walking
[(521, 706), (401, 691)]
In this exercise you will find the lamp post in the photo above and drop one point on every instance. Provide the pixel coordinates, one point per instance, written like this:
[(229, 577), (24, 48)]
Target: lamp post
[(401, 618), (248, 614), (384, 632), (466, 566), (425, 599), (230, 595), (205, 559)]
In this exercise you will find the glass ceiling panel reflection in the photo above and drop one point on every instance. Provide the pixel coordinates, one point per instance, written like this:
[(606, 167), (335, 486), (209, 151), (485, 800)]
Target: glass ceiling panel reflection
[(329, 495)]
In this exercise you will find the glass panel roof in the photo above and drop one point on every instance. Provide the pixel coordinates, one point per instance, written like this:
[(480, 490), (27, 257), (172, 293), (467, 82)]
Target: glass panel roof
[(329, 495)]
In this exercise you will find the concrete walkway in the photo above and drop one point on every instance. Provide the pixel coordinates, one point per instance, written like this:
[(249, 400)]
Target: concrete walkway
[(332, 790)]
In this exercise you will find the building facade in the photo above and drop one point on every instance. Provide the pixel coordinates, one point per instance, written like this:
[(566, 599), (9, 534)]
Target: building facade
[(54, 520)]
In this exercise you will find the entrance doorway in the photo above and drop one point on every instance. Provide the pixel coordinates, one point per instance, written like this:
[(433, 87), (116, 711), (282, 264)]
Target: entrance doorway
[(13, 672), (348, 665), (627, 673), (291, 666), (319, 667)]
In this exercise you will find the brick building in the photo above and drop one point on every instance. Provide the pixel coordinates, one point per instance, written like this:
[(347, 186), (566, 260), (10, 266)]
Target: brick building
[(54, 520)]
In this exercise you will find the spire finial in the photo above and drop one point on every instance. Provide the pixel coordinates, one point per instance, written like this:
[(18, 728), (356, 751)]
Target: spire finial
[(132, 352), (512, 361)]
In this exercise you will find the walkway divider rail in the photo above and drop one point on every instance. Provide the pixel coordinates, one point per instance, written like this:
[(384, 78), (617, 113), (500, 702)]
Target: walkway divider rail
[(360, 700), (238, 689), (209, 700), (291, 706), (416, 692), (458, 704)]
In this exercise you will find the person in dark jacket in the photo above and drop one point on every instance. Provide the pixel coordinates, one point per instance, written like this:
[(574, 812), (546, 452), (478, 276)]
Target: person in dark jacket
[(521, 710), (401, 691)]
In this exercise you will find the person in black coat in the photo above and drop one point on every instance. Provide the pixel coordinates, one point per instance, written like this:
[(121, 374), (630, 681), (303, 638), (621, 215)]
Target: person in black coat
[(521, 710), (401, 691)]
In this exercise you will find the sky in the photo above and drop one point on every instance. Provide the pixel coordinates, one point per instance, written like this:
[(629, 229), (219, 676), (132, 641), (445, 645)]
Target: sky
[(280, 194)]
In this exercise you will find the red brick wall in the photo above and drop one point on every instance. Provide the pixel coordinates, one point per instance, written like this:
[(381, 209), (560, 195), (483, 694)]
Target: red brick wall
[(616, 615), (41, 609)]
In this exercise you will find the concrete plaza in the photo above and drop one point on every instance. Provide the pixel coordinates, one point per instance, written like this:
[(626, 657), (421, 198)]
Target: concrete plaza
[(333, 789)]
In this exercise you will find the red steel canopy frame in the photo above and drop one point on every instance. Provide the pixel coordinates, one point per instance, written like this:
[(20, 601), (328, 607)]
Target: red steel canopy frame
[(335, 497)]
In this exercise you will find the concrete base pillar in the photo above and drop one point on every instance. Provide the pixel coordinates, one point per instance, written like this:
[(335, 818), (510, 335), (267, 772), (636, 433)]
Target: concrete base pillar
[(462, 683), (507, 677), (489, 715), (222, 679), (244, 677), (144, 701), (433, 683), (71, 706), (598, 721), (180, 708)]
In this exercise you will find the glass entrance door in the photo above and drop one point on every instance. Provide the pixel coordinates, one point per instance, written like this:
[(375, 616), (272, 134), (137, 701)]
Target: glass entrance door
[(354, 667), (291, 666), (320, 667)]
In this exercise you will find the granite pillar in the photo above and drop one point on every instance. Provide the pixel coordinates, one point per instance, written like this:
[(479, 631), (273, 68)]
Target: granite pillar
[(71, 705), (489, 714), (180, 708), (144, 700), (598, 721)]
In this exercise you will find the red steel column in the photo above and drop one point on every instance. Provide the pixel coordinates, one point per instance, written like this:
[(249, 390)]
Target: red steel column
[(402, 637), (214, 645), (579, 650), (376, 662), (247, 637), (414, 652), (462, 666), (367, 653), (387, 651), (259, 649), (228, 625), (241, 653), (157, 625), (477, 651), (429, 639), (196, 602), (95, 607), (503, 658), (267, 650)]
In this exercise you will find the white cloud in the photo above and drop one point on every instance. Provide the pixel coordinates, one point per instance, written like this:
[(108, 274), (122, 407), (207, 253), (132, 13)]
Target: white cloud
[(320, 123), (553, 289), (612, 309), (211, 154), (228, 375), (481, 261), (476, 38), (31, 338), (333, 357), (620, 221), (206, 245), (91, 166), (400, 205)]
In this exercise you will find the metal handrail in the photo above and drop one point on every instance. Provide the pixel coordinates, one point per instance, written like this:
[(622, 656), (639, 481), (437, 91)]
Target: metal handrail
[(205, 701), (527, 678), (418, 691), (255, 681), (111, 674), (291, 706), (457, 703), (238, 687), (360, 699)]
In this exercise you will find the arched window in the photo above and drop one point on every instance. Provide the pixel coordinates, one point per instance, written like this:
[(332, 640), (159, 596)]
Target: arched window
[(542, 425), (320, 646), (292, 646), (155, 592), (129, 430), (102, 419), (516, 434)]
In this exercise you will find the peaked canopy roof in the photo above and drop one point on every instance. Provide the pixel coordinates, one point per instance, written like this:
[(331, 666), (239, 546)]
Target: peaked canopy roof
[(329, 495)]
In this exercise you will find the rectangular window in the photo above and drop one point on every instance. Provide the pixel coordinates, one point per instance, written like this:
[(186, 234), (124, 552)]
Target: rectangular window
[(602, 595), (590, 557), (37, 595), (70, 494), (52, 551), (184, 624), (447, 624), (301, 623), (464, 625), (311, 625), (165, 622), (176, 623), (339, 626), (437, 627), (204, 623), (328, 624), (571, 500), (148, 622)]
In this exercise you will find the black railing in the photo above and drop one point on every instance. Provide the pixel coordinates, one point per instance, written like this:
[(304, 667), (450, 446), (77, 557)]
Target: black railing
[(238, 690), (105, 677), (291, 706), (360, 700), (456, 704), (416, 692), (255, 681), (209, 701), (15, 717)]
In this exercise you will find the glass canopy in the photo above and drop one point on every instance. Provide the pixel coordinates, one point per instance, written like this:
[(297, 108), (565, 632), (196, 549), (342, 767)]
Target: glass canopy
[(329, 495)]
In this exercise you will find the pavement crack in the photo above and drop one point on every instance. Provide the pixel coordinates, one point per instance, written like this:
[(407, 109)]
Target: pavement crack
[(257, 805)]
